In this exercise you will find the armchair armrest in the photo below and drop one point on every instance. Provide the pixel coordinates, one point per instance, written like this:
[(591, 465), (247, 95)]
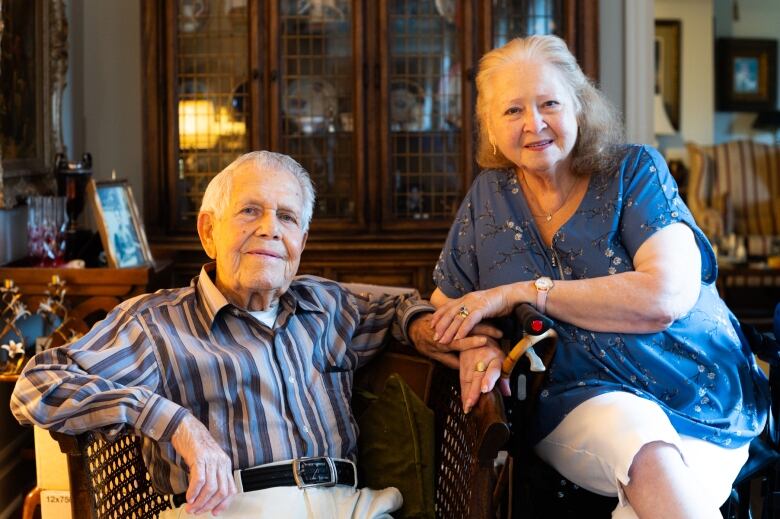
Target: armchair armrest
[(467, 485), (80, 502), (109, 479)]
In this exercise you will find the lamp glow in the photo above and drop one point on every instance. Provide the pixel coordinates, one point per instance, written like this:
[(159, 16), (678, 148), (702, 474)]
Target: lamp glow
[(197, 124)]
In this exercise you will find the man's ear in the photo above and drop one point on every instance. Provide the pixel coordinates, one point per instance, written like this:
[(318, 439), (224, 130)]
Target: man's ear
[(206, 233)]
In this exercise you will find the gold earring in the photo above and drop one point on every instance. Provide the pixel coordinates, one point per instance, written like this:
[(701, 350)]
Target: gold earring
[(494, 148)]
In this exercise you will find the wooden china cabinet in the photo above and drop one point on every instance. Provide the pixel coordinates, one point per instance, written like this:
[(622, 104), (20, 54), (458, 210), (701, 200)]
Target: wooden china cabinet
[(374, 98)]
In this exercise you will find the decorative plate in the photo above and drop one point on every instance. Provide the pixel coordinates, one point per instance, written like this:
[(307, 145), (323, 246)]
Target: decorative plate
[(407, 99), (320, 11), (311, 103), (192, 15), (446, 9)]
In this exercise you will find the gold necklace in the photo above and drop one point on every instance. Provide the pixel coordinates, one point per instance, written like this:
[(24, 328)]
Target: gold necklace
[(547, 215)]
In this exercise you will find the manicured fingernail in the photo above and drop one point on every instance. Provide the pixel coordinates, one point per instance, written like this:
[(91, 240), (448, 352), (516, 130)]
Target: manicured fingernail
[(484, 389), (435, 336), (467, 406)]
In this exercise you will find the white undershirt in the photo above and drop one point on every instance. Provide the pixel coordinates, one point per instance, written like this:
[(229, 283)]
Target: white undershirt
[(267, 317)]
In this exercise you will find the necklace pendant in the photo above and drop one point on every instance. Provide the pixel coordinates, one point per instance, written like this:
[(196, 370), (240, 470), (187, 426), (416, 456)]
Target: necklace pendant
[(548, 217)]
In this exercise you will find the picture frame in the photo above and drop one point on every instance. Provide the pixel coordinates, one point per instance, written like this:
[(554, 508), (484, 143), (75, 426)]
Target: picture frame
[(119, 224), (746, 75), (668, 35), (33, 69)]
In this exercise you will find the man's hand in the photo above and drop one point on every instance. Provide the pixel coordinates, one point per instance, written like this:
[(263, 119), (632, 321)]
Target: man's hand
[(421, 333), (211, 477)]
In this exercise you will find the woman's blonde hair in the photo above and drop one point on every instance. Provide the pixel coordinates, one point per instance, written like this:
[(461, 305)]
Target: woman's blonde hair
[(600, 135)]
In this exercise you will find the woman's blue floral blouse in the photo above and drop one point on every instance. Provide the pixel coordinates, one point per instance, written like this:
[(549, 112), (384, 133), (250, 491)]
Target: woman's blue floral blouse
[(699, 370)]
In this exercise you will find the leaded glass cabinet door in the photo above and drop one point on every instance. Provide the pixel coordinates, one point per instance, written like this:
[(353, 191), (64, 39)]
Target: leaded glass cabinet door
[(211, 71), (515, 18), (425, 145), (314, 70)]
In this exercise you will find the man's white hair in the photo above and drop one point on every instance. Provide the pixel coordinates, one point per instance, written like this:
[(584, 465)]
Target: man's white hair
[(219, 189)]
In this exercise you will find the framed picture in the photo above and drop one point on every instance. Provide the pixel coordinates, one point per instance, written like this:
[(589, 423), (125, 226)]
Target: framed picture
[(667, 67), (746, 75), (33, 66), (119, 223)]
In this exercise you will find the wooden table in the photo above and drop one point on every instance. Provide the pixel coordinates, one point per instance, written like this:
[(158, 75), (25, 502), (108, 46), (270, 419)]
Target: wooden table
[(91, 292), (81, 283)]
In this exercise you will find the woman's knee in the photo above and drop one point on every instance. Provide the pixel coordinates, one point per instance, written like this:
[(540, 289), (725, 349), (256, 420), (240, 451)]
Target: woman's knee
[(657, 459)]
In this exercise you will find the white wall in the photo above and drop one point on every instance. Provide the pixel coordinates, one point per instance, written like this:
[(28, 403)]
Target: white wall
[(696, 66), (757, 19), (611, 55), (105, 97), (638, 63)]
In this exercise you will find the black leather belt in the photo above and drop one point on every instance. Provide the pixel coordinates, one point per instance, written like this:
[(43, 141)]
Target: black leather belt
[(302, 472)]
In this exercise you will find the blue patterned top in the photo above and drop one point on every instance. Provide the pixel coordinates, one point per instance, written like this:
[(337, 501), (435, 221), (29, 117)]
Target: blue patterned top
[(699, 370)]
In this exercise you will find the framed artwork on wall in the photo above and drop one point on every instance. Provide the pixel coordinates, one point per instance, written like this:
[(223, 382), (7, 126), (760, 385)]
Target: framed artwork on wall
[(33, 65), (119, 224), (667, 67), (746, 72)]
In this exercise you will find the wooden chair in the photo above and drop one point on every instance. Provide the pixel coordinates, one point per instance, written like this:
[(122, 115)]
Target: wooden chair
[(109, 480)]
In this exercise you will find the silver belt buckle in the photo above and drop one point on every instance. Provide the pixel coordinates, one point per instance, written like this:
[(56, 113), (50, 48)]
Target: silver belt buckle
[(299, 463)]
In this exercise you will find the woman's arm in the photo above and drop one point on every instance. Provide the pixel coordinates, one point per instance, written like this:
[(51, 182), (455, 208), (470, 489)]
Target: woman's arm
[(663, 286)]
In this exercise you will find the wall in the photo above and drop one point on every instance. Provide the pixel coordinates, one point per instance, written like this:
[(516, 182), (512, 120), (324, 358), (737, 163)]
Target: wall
[(696, 69), (757, 19), (638, 70), (611, 51), (104, 100)]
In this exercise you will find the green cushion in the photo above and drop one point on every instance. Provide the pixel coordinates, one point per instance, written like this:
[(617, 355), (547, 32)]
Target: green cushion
[(396, 447)]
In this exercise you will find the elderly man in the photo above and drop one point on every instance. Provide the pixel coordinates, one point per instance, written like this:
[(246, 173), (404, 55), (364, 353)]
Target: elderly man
[(247, 367)]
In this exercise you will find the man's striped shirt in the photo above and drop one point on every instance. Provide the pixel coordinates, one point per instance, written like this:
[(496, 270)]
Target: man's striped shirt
[(265, 394)]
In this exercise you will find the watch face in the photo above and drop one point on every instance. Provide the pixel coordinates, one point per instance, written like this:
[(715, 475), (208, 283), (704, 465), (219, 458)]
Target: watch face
[(543, 283)]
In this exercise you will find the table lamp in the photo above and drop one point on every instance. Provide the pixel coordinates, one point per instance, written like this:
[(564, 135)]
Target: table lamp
[(661, 123)]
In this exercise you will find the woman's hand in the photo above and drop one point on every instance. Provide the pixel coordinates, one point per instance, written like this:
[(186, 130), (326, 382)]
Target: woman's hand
[(457, 317), (421, 333), (480, 369)]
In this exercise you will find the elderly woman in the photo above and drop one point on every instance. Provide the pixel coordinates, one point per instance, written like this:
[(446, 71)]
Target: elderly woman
[(652, 395)]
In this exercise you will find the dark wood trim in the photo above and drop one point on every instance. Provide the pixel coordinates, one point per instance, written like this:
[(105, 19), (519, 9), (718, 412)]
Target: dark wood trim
[(152, 118), (359, 107), (258, 132), (484, 30), (383, 111), (581, 32), (274, 76), (170, 111), (467, 93)]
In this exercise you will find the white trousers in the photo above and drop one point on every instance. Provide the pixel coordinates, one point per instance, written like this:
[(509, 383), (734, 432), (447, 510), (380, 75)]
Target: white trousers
[(339, 502), (595, 445)]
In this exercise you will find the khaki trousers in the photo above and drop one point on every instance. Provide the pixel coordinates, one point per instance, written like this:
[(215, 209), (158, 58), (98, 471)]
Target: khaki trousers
[(339, 502)]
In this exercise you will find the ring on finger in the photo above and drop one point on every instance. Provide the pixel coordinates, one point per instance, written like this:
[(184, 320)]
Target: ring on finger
[(480, 367), (463, 311)]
